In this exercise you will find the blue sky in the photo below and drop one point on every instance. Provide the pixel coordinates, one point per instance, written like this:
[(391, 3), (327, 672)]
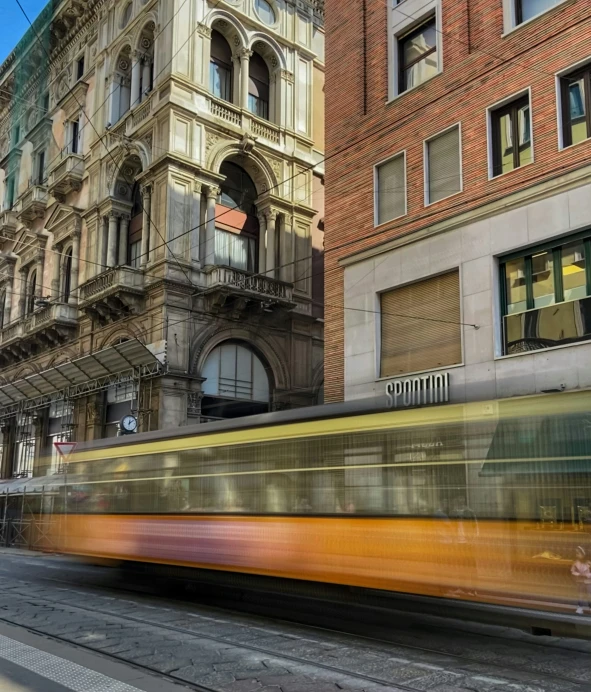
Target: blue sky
[(13, 24)]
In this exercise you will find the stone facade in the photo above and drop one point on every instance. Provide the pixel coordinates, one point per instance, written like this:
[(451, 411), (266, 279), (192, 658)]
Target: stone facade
[(152, 191)]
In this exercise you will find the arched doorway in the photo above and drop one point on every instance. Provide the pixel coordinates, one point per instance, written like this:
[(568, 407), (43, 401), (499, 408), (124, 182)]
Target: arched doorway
[(236, 382), (237, 226)]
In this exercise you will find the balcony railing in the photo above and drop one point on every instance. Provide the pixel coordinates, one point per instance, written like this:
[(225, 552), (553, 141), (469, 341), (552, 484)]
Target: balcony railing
[(50, 316), (265, 129), (119, 278), (32, 203), (226, 111), (261, 287), (8, 222), (67, 175), (141, 112)]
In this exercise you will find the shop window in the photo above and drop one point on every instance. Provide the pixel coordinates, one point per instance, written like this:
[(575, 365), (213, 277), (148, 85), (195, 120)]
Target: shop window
[(511, 136), (575, 90), (547, 296), (220, 67), (443, 166), (390, 189), (421, 326), (417, 56), (258, 87)]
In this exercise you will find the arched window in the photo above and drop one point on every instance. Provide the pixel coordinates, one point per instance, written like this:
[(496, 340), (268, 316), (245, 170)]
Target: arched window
[(31, 290), (126, 16), (220, 67), (237, 233), (258, 87), (265, 12), (236, 382), (67, 280)]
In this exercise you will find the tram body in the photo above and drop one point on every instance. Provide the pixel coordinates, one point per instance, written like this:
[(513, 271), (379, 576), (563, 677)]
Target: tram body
[(486, 501)]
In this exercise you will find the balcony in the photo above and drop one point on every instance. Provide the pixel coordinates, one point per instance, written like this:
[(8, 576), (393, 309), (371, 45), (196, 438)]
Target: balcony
[(47, 327), (225, 111), (238, 290), (8, 223), (32, 203), (114, 294), (553, 325), (66, 176), (263, 129)]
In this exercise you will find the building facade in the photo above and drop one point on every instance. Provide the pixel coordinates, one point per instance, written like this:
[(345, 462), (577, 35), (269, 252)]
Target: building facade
[(161, 225), (458, 247)]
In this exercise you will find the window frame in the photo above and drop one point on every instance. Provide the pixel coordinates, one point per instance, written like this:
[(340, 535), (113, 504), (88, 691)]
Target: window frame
[(426, 162), (400, 40), (494, 113), (555, 247), (562, 92), (376, 219), (517, 13)]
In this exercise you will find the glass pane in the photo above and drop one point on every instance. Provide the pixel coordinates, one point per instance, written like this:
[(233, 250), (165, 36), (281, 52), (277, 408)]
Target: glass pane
[(506, 144), (530, 8), (578, 121), (220, 81), (417, 44), (524, 135), (265, 12), (516, 291), (543, 279), (573, 271), (421, 71)]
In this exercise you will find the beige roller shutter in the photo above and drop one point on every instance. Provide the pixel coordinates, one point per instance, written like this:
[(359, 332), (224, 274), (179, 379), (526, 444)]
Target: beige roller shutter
[(421, 326), (391, 190), (444, 165)]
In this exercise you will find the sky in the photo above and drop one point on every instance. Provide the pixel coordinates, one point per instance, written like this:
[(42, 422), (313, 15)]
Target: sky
[(13, 24)]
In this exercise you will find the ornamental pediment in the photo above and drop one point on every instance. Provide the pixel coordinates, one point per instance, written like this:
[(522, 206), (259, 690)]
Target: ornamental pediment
[(73, 100), (63, 222), (28, 244)]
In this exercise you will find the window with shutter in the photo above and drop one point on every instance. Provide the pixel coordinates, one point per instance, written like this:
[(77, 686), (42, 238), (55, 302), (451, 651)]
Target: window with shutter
[(390, 189), (443, 166), (420, 325)]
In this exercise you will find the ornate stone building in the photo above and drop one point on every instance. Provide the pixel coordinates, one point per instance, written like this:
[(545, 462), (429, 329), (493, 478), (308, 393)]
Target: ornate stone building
[(161, 237)]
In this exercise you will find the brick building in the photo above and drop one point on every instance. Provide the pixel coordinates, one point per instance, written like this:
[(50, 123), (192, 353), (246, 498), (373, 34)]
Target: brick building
[(458, 209)]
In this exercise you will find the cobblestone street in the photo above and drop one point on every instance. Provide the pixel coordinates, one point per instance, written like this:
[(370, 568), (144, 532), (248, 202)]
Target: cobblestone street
[(206, 648)]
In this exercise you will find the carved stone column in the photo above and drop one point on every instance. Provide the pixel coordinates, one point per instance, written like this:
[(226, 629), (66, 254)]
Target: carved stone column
[(22, 300), (9, 291), (262, 243), (55, 273), (146, 215), (39, 266), (74, 280), (136, 72), (245, 55), (212, 196), (112, 240), (271, 242), (146, 76)]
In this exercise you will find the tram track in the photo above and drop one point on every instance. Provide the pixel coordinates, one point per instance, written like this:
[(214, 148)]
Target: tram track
[(278, 655)]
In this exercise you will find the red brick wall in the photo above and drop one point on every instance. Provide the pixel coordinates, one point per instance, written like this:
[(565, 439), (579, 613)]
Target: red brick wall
[(480, 68)]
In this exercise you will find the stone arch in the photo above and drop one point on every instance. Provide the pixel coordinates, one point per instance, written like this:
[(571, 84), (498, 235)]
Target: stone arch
[(257, 167), (64, 356), (120, 49), (121, 183), (229, 26), (268, 48), (149, 24), (119, 332), (26, 371), (207, 341)]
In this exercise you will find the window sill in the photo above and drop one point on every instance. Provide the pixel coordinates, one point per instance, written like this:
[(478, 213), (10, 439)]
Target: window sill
[(413, 89), (453, 194), (544, 350), (513, 170), (383, 225), (515, 28), (572, 146)]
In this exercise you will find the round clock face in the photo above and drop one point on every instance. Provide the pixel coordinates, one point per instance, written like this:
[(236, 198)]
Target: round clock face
[(129, 423)]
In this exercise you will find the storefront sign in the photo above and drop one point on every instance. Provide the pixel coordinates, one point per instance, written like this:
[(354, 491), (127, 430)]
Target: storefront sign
[(418, 391)]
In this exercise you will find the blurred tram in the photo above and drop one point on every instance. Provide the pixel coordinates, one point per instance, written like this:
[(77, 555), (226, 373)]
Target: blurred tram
[(486, 501)]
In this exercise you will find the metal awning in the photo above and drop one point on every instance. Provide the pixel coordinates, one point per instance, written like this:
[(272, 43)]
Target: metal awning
[(81, 376)]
